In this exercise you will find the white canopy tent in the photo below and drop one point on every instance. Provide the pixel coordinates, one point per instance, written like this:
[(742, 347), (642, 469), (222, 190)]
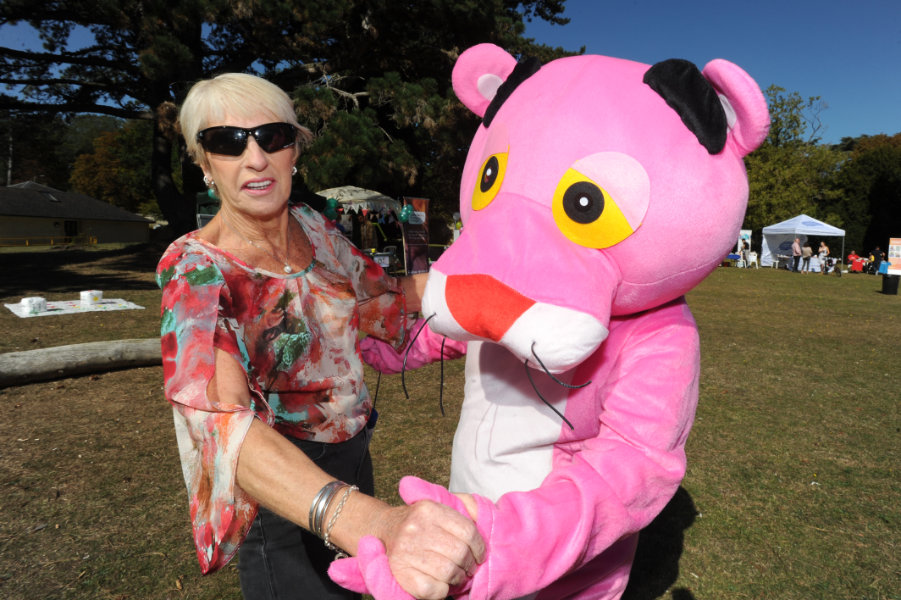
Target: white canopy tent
[(358, 198), (778, 238)]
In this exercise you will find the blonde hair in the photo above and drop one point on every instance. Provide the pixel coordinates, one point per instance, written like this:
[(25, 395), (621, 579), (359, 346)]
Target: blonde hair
[(234, 94)]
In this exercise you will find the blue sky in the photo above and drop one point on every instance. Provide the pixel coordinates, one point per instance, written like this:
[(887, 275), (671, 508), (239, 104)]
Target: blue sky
[(848, 53)]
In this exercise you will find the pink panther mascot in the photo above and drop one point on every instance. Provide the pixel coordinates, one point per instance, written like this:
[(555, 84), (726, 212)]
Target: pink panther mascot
[(596, 193)]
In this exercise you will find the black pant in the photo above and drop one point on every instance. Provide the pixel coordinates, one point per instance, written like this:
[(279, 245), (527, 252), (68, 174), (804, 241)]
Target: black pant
[(280, 560)]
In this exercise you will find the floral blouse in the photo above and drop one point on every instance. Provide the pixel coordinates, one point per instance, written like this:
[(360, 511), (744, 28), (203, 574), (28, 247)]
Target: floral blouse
[(296, 336)]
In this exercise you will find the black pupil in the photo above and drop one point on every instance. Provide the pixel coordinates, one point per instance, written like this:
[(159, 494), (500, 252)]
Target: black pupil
[(583, 202), (489, 174)]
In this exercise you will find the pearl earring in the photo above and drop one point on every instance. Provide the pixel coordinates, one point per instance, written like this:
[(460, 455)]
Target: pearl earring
[(208, 182)]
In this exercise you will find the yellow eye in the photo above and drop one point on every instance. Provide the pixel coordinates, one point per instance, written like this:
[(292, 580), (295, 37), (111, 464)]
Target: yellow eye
[(490, 178), (586, 214)]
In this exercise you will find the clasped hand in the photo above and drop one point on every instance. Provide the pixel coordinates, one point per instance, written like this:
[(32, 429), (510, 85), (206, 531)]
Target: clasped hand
[(432, 550)]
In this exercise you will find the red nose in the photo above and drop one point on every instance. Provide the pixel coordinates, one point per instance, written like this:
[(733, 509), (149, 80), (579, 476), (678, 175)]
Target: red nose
[(484, 306)]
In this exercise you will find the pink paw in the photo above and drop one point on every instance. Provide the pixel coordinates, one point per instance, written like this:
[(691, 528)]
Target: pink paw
[(368, 572)]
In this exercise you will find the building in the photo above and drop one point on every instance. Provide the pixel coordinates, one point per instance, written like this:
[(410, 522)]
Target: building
[(34, 214)]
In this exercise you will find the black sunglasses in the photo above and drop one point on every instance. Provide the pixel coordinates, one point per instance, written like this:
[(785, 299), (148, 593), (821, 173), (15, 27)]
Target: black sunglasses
[(231, 141)]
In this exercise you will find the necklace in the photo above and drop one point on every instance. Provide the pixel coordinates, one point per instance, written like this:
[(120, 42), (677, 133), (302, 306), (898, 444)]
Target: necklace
[(286, 268)]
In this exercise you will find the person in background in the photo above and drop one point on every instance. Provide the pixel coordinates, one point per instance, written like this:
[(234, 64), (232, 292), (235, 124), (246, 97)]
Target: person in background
[(356, 227), (876, 257), (368, 232), (806, 253), (796, 254), (822, 255), (856, 263), (261, 311), (346, 222)]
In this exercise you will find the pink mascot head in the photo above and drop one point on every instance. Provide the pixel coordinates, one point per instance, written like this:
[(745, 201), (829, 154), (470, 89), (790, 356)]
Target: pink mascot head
[(594, 187)]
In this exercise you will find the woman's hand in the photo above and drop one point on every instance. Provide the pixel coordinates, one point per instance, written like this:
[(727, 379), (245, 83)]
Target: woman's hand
[(427, 558), (414, 287), (431, 548)]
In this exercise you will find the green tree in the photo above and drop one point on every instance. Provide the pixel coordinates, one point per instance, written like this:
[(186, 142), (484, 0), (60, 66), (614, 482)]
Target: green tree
[(143, 55), (791, 173), (118, 169), (42, 148), (79, 135), (28, 147), (870, 187), (793, 120), (383, 108)]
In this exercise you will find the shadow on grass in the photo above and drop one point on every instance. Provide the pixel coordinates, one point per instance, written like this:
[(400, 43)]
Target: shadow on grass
[(66, 270), (660, 545)]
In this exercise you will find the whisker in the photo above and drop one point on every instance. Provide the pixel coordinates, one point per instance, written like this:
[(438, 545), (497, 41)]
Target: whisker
[(378, 384), (441, 384), (403, 370), (549, 405), (374, 415), (551, 375)]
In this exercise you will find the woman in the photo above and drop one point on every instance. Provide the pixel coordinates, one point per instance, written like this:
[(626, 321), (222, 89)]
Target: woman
[(822, 254), (260, 316), (806, 253)]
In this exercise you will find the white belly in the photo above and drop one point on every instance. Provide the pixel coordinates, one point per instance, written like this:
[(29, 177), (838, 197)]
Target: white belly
[(506, 434)]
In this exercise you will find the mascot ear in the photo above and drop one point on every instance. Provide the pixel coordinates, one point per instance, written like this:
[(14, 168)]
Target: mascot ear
[(478, 74), (721, 103), (746, 109), (686, 91)]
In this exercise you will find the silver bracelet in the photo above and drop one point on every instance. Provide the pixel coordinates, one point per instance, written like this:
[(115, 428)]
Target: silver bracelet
[(320, 505), (328, 530)]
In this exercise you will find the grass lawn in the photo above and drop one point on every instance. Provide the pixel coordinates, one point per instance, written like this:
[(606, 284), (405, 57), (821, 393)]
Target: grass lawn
[(791, 493)]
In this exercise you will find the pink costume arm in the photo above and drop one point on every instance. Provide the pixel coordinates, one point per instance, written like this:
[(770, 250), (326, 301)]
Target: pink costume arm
[(426, 348)]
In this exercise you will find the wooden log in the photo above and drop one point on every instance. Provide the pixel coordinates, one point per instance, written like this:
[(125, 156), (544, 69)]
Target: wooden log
[(17, 368)]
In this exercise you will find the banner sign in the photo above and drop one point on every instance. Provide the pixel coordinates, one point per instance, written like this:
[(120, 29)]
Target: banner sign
[(416, 236), (744, 237), (894, 256)]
